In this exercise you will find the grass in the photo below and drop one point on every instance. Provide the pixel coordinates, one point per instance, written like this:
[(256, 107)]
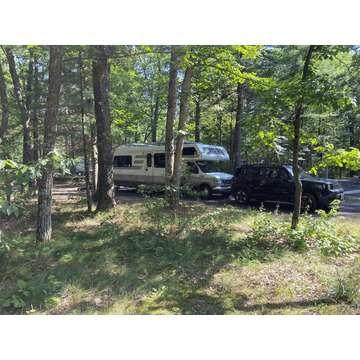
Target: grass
[(143, 259)]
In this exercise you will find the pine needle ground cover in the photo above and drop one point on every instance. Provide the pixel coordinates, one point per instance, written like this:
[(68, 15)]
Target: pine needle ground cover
[(142, 258)]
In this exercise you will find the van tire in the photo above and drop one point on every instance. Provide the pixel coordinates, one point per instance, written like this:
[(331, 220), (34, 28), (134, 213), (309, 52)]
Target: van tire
[(206, 192)]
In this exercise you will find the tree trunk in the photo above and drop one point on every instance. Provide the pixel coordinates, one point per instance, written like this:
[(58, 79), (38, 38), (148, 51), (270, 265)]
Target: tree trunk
[(296, 148), (44, 228), (86, 157), (220, 129), (197, 119), (101, 84), (4, 107), (238, 125), (4, 125), (155, 120), (23, 105), (4, 130), (35, 119), (351, 122), (94, 160), (182, 123), (170, 119)]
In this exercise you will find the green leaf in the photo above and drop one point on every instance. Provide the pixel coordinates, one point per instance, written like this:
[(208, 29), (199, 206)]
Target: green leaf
[(25, 272), (7, 303), (21, 284), (18, 301)]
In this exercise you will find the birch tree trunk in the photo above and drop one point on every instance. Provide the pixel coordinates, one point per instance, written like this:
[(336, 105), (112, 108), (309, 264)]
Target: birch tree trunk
[(44, 228)]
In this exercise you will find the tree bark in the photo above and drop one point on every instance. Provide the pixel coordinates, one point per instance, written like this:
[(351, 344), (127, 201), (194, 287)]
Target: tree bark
[(4, 125), (197, 119), (94, 160), (296, 147), (4, 129), (4, 107), (44, 227), (35, 118), (86, 157), (24, 106), (182, 123), (238, 125), (101, 85), (155, 120), (170, 119)]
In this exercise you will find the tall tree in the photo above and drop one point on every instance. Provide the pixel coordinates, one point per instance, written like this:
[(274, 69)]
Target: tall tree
[(182, 121), (101, 85), (170, 119), (24, 102), (296, 145), (85, 141), (44, 227), (4, 122), (4, 106), (94, 161), (238, 125)]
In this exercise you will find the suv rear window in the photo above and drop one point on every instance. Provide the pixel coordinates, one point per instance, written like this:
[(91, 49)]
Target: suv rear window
[(276, 173), (254, 172)]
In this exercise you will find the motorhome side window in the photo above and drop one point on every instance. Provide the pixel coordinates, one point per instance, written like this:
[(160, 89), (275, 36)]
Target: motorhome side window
[(159, 160), (189, 151), (148, 160), (122, 161)]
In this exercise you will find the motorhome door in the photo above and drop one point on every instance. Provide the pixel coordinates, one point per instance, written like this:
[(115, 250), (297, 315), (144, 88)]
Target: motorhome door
[(158, 168), (149, 169)]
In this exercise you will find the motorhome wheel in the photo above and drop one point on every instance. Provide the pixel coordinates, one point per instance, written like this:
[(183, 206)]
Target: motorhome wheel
[(206, 192)]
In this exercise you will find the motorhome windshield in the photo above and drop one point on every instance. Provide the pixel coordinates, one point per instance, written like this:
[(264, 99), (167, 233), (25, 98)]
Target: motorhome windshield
[(207, 167)]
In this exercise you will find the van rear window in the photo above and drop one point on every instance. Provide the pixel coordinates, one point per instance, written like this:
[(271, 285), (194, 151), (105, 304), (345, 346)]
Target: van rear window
[(123, 161)]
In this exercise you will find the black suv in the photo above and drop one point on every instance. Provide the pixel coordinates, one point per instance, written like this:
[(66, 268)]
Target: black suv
[(276, 183)]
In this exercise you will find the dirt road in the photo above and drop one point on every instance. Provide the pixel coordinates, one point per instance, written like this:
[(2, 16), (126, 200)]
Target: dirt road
[(349, 209)]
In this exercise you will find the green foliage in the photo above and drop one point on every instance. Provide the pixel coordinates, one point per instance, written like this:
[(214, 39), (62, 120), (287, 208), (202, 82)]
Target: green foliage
[(32, 292), (14, 175), (346, 287), (317, 233), (17, 300), (337, 158)]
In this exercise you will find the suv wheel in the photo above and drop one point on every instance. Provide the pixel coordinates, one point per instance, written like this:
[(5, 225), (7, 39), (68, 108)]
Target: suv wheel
[(242, 196), (308, 203)]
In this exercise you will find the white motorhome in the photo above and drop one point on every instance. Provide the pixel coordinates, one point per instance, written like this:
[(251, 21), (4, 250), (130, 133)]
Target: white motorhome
[(139, 164)]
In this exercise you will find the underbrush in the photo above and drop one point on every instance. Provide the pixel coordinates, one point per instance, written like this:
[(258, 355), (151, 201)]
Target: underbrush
[(317, 233), (146, 259)]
